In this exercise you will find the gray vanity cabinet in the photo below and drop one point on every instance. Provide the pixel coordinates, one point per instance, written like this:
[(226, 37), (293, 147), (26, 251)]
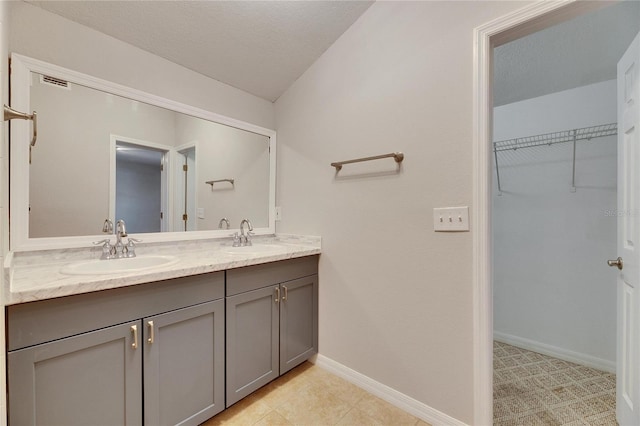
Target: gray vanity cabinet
[(162, 364), (183, 356), (272, 322), (91, 379), (298, 322), (252, 342)]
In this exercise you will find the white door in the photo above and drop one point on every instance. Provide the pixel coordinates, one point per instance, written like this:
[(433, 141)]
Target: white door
[(628, 358)]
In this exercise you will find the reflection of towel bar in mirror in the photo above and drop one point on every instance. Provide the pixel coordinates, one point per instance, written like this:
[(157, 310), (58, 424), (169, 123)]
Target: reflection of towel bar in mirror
[(10, 114), (397, 156), (211, 182)]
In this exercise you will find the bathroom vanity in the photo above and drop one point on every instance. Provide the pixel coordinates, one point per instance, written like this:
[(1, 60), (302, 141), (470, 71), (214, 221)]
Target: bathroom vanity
[(191, 325), (154, 351)]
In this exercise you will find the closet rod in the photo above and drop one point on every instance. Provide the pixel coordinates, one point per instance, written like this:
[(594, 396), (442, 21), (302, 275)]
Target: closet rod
[(584, 133)]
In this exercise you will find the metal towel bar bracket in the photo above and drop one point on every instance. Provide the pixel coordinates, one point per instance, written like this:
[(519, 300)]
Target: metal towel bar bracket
[(397, 156), (10, 114)]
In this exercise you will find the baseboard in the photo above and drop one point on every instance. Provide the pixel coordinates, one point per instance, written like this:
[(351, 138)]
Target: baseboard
[(556, 352), (392, 396)]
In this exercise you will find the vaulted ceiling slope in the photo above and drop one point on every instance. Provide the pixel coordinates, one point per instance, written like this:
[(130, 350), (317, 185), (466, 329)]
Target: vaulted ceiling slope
[(260, 47), (582, 51)]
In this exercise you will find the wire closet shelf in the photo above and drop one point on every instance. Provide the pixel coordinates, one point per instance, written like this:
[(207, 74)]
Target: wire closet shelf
[(575, 135)]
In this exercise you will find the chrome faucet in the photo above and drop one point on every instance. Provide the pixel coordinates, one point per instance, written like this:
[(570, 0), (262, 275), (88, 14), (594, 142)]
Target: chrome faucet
[(224, 220), (121, 232), (245, 239), (119, 249)]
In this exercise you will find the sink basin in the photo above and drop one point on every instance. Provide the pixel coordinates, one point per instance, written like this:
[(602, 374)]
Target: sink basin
[(115, 266), (253, 250)]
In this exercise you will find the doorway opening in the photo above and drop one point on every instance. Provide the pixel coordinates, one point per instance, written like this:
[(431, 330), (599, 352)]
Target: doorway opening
[(545, 210), (139, 185), (186, 193)]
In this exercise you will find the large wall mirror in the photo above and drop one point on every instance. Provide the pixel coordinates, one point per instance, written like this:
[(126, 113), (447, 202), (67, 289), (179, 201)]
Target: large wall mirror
[(105, 151)]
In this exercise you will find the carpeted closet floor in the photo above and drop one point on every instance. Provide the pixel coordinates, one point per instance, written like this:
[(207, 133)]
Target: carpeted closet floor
[(534, 389)]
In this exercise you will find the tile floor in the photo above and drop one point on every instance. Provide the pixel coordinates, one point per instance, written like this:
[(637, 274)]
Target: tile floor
[(534, 389), (309, 395)]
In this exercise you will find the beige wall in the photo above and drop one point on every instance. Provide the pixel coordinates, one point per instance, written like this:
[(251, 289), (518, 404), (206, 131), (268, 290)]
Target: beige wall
[(50, 38), (395, 298)]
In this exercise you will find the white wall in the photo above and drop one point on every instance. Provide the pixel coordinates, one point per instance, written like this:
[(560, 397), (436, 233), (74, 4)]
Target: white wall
[(551, 284), (395, 297), (51, 38)]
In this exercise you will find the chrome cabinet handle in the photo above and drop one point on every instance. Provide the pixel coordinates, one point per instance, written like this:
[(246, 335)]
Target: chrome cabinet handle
[(134, 333), (286, 293), (618, 263), (277, 294), (150, 339)]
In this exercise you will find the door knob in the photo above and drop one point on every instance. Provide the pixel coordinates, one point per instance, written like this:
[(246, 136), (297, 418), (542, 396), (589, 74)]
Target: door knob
[(617, 262)]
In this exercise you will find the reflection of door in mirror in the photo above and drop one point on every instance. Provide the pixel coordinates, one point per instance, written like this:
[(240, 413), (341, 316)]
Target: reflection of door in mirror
[(140, 187), (186, 190)]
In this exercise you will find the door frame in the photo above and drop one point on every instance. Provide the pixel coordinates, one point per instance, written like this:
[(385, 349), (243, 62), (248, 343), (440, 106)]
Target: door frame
[(178, 177), (167, 180), (524, 21)]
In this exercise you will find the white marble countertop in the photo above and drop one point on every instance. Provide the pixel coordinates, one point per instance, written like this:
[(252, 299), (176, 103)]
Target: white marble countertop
[(36, 275)]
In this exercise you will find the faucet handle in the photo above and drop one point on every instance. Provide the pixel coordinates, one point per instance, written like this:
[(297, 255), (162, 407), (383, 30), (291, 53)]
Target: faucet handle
[(130, 249), (248, 238), (108, 251), (236, 239)]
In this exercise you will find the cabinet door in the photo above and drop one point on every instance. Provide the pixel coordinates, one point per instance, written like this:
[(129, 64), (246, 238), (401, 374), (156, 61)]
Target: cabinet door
[(89, 379), (252, 341), (184, 365), (298, 322)]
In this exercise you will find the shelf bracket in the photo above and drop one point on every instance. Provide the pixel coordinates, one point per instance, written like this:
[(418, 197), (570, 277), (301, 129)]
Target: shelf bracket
[(573, 177), (495, 154)]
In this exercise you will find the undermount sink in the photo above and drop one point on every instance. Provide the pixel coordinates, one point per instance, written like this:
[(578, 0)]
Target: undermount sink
[(115, 266), (252, 250)]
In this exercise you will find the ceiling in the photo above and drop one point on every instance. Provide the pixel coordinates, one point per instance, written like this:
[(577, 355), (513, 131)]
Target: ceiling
[(582, 51), (260, 47)]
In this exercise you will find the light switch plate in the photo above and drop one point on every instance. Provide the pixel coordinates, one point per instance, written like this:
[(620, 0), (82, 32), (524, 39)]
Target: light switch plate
[(278, 212), (200, 212), (451, 219)]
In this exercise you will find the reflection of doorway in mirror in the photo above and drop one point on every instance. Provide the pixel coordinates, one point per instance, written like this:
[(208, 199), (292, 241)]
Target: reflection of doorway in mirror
[(185, 218), (140, 185)]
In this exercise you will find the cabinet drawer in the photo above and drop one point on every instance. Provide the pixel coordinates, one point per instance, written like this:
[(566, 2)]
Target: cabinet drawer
[(254, 277), (43, 321)]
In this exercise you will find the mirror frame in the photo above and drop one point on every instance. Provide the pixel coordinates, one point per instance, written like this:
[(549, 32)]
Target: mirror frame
[(19, 240)]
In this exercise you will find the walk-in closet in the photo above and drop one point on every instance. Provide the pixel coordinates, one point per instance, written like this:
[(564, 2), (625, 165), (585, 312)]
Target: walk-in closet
[(554, 220)]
